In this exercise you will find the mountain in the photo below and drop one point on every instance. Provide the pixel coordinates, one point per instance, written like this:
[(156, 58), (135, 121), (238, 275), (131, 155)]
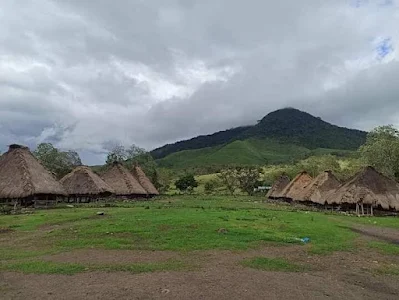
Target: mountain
[(281, 136), (300, 128)]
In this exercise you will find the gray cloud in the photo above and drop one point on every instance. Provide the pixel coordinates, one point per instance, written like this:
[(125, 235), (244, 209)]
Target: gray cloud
[(83, 74)]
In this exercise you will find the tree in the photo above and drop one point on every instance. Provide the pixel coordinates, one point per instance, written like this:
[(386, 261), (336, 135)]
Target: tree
[(58, 162), (165, 178), (186, 183), (72, 158), (211, 185), (248, 179), (132, 156), (228, 177), (139, 156), (381, 150), (117, 154), (349, 168), (314, 165)]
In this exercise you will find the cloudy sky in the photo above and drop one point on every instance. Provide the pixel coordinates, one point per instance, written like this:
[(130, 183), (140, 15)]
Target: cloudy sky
[(86, 74)]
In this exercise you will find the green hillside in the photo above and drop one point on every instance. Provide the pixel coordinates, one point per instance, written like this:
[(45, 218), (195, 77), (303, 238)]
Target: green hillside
[(246, 152), (289, 126)]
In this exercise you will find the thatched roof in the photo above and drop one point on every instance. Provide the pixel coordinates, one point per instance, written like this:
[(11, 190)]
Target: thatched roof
[(320, 188), (368, 187), (296, 186), (144, 181), (83, 181), (122, 181), (22, 175), (278, 187)]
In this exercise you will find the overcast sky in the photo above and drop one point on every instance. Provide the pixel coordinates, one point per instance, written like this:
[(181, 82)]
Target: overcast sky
[(86, 74)]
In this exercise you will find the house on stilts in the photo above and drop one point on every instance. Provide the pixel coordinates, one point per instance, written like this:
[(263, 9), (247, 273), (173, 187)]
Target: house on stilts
[(83, 185), (144, 181), (296, 186), (319, 189), (123, 183), (25, 182), (278, 187), (366, 191)]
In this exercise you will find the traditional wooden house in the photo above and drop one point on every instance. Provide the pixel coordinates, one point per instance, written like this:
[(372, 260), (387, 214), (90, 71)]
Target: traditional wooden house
[(296, 186), (123, 183), (368, 190), (83, 185), (278, 186), (319, 188), (24, 181), (144, 181)]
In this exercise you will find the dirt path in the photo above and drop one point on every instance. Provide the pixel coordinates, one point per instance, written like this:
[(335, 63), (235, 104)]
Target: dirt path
[(219, 276), (216, 283), (390, 235)]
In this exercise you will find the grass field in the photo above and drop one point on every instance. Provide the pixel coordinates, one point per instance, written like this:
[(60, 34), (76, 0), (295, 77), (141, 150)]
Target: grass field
[(196, 247), (183, 224)]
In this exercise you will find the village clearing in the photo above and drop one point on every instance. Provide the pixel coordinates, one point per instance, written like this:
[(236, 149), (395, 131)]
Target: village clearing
[(197, 247)]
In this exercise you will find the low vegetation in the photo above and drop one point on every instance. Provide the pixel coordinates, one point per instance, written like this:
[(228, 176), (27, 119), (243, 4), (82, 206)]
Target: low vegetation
[(273, 264), (48, 267)]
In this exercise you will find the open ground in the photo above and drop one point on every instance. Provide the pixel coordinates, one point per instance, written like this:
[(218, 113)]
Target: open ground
[(197, 247)]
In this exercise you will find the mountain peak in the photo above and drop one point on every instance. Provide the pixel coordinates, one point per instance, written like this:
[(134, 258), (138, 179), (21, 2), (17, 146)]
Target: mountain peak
[(288, 114)]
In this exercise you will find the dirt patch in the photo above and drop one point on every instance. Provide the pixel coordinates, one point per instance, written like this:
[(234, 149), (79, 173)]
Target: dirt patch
[(6, 230), (390, 235), (366, 260), (93, 256), (214, 283), (219, 275), (164, 227), (49, 227)]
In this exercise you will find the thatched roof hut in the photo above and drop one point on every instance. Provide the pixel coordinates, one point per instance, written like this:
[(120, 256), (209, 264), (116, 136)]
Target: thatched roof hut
[(22, 176), (144, 181), (82, 181), (368, 187), (320, 188), (123, 182), (296, 186), (278, 187)]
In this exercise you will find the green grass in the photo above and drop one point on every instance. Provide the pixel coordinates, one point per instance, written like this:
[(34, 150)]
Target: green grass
[(385, 248), (272, 264), (47, 267), (181, 223), (247, 152), (388, 270)]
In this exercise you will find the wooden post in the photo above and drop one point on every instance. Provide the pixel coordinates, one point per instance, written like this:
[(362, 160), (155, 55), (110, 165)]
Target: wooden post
[(362, 209), (372, 213), (357, 209)]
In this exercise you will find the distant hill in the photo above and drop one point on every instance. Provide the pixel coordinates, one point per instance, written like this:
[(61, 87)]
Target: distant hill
[(281, 136), (297, 127)]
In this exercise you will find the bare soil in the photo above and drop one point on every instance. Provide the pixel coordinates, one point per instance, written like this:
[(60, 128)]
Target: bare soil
[(218, 275), (381, 233)]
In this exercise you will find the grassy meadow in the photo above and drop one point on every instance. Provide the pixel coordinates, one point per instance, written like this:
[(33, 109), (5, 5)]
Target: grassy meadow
[(181, 224)]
